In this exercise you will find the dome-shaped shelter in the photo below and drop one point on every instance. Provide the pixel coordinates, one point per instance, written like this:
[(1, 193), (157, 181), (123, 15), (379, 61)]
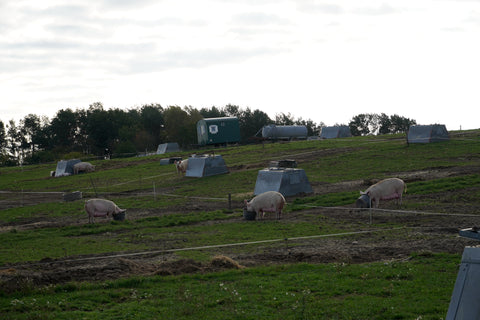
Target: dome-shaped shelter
[(168, 147), (65, 167), (335, 132), (427, 133), (205, 165), (287, 181)]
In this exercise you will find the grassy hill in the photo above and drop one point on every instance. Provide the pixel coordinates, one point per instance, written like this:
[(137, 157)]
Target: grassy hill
[(177, 227)]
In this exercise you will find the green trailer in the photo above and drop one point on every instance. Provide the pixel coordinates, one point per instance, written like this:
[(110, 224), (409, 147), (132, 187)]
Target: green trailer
[(218, 131)]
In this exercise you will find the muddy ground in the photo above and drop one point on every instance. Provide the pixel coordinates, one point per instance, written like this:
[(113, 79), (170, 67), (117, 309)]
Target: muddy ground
[(427, 231)]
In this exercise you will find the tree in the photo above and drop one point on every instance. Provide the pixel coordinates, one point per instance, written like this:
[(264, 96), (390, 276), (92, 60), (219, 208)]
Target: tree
[(31, 131), (251, 122), (3, 141), (232, 111), (358, 125), (81, 133), (191, 130), (100, 129), (385, 124), (152, 122), (3, 144), (400, 124), (180, 125), (63, 130), (284, 119), (13, 143), (371, 123), (213, 112)]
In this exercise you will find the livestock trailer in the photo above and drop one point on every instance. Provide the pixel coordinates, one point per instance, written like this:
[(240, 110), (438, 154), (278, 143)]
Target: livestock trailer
[(335, 132), (205, 165), (275, 132), (427, 133), (287, 181), (218, 131), (168, 147)]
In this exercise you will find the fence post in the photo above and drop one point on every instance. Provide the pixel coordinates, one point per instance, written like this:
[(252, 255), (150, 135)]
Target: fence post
[(229, 201), (154, 192), (94, 188)]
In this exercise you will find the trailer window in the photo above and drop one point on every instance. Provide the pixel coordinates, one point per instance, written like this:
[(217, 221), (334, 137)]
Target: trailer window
[(213, 129)]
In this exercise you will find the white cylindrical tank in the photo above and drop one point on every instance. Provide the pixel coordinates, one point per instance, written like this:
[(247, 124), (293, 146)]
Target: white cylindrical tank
[(272, 131)]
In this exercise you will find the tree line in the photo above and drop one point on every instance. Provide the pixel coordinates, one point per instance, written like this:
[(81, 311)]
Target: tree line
[(96, 131)]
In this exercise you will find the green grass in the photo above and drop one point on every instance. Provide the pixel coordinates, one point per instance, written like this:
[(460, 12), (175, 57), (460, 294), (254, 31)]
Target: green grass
[(335, 160), (445, 184), (167, 232), (414, 289), (421, 286), (37, 244), (331, 161)]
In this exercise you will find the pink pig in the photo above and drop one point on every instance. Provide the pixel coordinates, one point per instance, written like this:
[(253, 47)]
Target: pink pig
[(270, 201), (101, 208), (181, 166), (391, 188)]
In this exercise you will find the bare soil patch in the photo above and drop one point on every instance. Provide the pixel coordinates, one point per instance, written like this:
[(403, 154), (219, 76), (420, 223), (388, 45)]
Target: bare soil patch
[(417, 233)]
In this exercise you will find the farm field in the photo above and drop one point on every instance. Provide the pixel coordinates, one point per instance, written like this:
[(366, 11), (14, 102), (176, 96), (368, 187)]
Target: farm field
[(185, 252)]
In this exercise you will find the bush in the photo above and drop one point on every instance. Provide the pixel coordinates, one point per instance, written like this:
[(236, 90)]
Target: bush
[(73, 155), (125, 147), (7, 161), (40, 157)]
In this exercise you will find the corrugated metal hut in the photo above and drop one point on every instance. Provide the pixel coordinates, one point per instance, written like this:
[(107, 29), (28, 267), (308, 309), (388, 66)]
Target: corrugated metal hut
[(171, 160), (205, 165), (211, 131), (464, 300), (65, 167), (287, 181), (427, 133), (274, 132), (335, 132), (168, 147)]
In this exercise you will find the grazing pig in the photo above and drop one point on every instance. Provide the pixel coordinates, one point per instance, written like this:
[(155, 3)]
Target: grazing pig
[(181, 165), (101, 208), (270, 201), (391, 188), (83, 167)]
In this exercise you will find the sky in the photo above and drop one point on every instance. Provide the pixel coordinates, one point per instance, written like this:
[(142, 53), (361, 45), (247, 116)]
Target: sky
[(326, 61)]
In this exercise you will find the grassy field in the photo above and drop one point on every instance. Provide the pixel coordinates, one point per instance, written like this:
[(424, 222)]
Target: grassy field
[(167, 212), (396, 290)]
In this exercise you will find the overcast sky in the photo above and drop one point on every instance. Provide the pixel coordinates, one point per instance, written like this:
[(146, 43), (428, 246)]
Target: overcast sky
[(321, 60)]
